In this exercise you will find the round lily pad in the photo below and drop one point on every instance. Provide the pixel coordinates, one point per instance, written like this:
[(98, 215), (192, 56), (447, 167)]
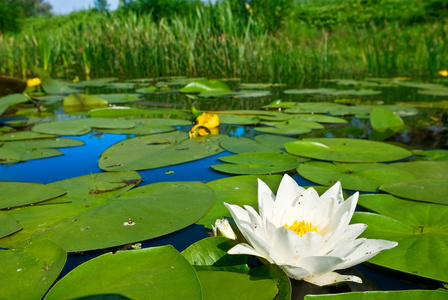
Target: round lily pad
[(346, 150), (257, 163), (22, 193), (28, 273), (426, 190), (137, 274), (117, 98), (8, 224), (358, 177), (158, 150), (419, 228)]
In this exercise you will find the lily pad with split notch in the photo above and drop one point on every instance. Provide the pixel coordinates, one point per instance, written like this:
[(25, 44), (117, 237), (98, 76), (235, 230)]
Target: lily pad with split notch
[(419, 228), (158, 150), (346, 150), (136, 274)]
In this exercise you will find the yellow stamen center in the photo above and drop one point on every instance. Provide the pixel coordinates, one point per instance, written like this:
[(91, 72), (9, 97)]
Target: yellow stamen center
[(301, 227)]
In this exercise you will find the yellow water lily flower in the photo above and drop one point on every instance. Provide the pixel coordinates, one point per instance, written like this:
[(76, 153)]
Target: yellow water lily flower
[(308, 236), (205, 124), (33, 82), (443, 73)]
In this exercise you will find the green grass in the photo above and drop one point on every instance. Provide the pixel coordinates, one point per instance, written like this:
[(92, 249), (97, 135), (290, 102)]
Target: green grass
[(214, 43)]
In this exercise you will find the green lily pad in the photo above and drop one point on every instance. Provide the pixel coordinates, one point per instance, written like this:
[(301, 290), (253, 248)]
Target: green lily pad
[(382, 119), (8, 224), (120, 86), (81, 126), (83, 101), (285, 129), (206, 85), (158, 150), (426, 190), (28, 273), (441, 92), (358, 177), (213, 252), (23, 193), (158, 273), (273, 271), (245, 145), (83, 194), (54, 86), (140, 214), (239, 190), (24, 135), (312, 108), (425, 169), (9, 156), (117, 98), (44, 143), (383, 295), (236, 286), (18, 121), (320, 119), (97, 82), (433, 104), (419, 228), (346, 150), (321, 91), (257, 163), (433, 155), (121, 112), (238, 119), (279, 104), (150, 126), (10, 100)]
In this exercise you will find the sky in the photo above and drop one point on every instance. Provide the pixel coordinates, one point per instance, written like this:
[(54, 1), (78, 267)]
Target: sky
[(61, 7)]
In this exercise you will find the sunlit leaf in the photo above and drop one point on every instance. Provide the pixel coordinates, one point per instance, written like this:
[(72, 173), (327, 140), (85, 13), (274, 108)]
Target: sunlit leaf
[(346, 150), (257, 163), (419, 228), (139, 274), (427, 190), (8, 224), (158, 150), (10, 100), (28, 273), (23, 193), (384, 295), (206, 85)]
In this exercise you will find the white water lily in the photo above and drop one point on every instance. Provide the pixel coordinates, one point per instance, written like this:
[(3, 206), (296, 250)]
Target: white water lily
[(308, 236), (222, 228)]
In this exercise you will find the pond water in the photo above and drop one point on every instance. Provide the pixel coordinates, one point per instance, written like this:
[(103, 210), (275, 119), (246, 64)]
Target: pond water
[(423, 129)]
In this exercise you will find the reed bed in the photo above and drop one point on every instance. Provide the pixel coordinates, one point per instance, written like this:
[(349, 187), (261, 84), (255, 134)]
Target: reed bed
[(213, 43)]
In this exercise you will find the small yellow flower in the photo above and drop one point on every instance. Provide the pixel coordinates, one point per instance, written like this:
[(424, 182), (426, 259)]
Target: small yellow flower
[(443, 73), (33, 82), (205, 124)]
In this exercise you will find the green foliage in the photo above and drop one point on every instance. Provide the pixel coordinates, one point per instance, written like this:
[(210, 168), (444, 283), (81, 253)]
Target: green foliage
[(14, 12), (158, 9)]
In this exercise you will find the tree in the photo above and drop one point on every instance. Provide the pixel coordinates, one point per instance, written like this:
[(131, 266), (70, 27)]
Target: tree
[(101, 5)]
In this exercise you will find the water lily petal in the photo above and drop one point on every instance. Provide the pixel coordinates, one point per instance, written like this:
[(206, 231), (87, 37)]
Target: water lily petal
[(290, 245), (265, 207), (349, 235), (295, 272), (256, 223), (318, 265), (365, 251), (245, 249), (331, 278), (335, 192), (288, 192)]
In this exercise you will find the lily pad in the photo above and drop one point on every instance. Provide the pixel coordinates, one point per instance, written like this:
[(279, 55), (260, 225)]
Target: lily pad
[(82, 101), (140, 214), (425, 169), (213, 252), (434, 155), (83, 194), (54, 86), (419, 228), (117, 98), (10, 100), (257, 163), (346, 150), (246, 145), (28, 273), (358, 177), (139, 274), (383, 295), (23, 193), (8, 224), (97, 82), (121, 112), (383, 119), (285, 129), (81, 126), (206, 85), (24, 135), (321, 91), (312, 108), (236, 286), (158, 150), (239, 190), (426, 190), (320, 119)]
